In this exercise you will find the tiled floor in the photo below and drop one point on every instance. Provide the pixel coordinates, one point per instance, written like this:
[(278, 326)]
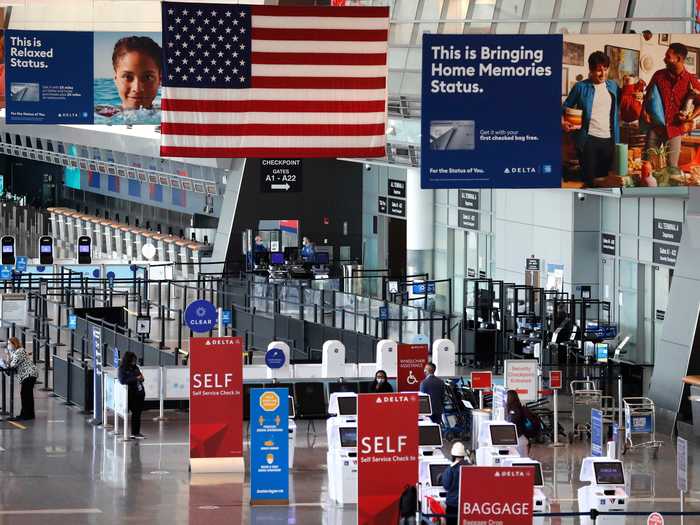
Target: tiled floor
[(61, 470)]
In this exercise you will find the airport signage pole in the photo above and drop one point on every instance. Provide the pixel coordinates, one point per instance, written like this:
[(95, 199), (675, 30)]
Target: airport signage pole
[(555, 385), (682, 470), (216, 404), (387, 461)]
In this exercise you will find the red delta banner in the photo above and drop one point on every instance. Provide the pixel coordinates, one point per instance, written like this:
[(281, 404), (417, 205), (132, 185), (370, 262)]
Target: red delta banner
[(216, 401), (410, 361), (496, 495), (387, 444)]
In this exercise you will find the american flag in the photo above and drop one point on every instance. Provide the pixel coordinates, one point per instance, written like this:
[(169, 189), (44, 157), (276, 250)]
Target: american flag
[(273, 81)]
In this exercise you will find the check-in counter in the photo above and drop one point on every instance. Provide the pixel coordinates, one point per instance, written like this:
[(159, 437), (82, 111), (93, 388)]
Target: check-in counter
[(82, 225), (181, 258), (95, 233), (170, 249), (121, 232), (158, 241), (193, 258), (72, 218), (131, 236), (146, 237), (53, 219), (106, 226)]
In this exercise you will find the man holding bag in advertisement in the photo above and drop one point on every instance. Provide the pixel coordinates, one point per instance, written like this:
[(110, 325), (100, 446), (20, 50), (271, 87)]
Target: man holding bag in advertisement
[(666, 107), (595, 137)]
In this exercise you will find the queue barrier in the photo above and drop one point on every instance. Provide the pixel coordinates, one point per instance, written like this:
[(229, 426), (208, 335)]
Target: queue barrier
[(115, 399)]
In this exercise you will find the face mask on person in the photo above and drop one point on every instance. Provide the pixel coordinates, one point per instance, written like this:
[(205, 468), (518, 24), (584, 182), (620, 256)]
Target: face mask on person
[(426, 372), (10, 347), (380, 380)]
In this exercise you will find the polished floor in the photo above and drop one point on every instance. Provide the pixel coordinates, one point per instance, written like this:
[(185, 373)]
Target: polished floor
[(59, 469)]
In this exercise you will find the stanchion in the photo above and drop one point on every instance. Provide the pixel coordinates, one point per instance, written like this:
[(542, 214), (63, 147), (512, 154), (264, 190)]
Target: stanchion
[(621, 430), (555, 431), (161, 397), (47, 366), (3, 412)]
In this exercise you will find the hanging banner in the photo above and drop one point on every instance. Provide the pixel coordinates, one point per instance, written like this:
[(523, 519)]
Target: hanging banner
[(387, 438), (48, 77), (127, 77), (216, 410), (269, 446), (410, 360), (97, 375), (500, 495), (469, 83)]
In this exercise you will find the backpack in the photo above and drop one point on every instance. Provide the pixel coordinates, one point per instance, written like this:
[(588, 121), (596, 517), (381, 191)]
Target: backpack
[(532, 426)]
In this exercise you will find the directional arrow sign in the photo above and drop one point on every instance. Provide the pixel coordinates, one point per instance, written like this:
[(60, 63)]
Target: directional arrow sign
[(280, 175)]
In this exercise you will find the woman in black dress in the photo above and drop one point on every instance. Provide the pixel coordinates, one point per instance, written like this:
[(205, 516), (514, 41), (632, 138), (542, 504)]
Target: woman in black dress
[(130, 375)]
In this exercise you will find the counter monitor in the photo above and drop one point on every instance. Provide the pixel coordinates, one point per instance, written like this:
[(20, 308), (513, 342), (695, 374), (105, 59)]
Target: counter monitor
[(429, 436), (608, 473), (277, 258), (503, 435), (539, 482), (347, 406), (436, 471), (323, 258), (348, 437), (424, 407)]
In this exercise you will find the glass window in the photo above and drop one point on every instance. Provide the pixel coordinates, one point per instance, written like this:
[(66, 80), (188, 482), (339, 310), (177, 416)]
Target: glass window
[(571, 9), (432, 10), (628, 304), (456, 9), (542, 9), (400, 32), (397, 57), (483, 10), (603, 9), (509, 9)]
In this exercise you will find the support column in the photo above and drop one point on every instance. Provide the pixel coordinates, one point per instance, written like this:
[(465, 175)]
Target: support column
[(420, 207)]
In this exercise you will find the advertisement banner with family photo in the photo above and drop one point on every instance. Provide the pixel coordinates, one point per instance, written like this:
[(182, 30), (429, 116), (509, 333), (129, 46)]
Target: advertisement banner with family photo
[(48, 77), (490, 111), (630, 111), (127, 79)]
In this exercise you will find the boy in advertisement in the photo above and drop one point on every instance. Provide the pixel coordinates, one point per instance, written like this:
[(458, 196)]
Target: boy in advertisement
[(598, 99), (675, 86)]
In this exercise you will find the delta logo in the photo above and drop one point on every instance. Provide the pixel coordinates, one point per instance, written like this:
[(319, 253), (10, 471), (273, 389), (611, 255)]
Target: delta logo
[(520, 170), (218, 342), (393, 399)]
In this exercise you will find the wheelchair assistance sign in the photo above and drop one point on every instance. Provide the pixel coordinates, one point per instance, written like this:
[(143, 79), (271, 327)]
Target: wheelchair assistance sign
[(410, 361)]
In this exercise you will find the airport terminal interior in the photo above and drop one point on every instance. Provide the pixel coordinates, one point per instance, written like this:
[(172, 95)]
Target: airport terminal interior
[(182, 287)]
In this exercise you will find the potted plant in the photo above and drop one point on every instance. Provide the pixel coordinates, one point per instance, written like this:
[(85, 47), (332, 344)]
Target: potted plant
[(658, 156)]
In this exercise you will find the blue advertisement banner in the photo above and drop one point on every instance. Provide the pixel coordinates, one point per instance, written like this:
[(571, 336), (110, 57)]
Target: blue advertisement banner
[(597, 438), (49, 77), (21, 264), (491, 111), (269, 445), (226, 317), (200, 316), (97, 374)]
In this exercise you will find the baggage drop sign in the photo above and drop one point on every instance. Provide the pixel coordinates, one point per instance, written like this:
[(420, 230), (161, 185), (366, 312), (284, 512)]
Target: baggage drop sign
[(496, 495)]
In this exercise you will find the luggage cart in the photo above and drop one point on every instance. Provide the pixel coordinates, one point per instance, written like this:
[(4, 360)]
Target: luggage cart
[(584, 393), (640, 424)]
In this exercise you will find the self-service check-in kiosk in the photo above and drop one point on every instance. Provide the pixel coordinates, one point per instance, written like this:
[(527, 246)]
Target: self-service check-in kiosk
[(540, 502), (605, 491), (342, 464), (342, 406), (430, 481), (498, 442), (292, 431), (425, 408), (429, 441)]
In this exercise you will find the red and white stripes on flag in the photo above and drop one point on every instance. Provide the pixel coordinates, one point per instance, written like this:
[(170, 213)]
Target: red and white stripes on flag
[(317, 88)]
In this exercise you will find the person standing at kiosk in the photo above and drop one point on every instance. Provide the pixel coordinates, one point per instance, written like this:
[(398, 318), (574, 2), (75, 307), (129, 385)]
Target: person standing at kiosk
[(450, 482)]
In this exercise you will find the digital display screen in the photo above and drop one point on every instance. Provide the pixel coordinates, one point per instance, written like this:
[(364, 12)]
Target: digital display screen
[(348, 437), (322, 258), (7, 248), (503, 435), (436, 474), (429, 436), (589, 349), (601, 352), (609, 473), (424, 407), (46, 248), (84, 248), (347, 406), (538, 472), (277, 258)]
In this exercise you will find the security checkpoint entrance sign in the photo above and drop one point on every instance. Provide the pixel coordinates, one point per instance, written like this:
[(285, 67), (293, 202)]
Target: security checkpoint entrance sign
[(496, 495), (410, 361), (216, 404), (387, 441), (521, 376)]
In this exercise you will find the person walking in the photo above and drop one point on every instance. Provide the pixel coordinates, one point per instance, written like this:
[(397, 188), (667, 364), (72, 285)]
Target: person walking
[(26, 375), (130, 375), (434, 387)]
